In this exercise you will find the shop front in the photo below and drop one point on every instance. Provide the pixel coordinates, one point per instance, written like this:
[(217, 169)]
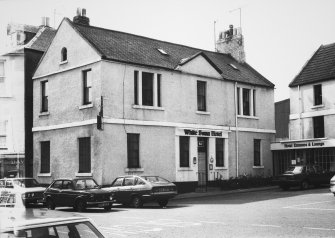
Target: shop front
[(303, 152)]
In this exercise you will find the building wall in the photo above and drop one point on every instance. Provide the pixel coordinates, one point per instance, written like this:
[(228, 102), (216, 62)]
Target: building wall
[(302, 113)]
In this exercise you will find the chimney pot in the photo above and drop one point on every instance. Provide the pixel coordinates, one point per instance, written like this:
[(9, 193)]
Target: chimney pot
[(81, 17), (83, 12), (78, 11)]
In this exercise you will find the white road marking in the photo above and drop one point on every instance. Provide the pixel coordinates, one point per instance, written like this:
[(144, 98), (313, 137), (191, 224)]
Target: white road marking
[(318, 228), (265, 225), (305, 204), (213, 222)]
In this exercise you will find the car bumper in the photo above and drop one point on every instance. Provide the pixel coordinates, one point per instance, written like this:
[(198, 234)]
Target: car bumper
[(100, 204), (33, 200)]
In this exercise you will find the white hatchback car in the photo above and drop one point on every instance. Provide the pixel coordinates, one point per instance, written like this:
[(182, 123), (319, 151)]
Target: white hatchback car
[(332, 185)]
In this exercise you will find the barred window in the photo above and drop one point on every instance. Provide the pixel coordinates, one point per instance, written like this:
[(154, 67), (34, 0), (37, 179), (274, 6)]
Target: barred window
[(219, 147), (133, 147), (84, 155), (184, 151), (45, 157)]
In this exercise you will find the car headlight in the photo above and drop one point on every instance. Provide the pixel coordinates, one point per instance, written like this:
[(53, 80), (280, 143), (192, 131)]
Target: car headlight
[(23, 195), (91, 196), (111, 197)]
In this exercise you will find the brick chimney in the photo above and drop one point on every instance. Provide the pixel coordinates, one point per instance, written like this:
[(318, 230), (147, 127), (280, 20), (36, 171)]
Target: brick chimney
[(81, 17), (231, 42)]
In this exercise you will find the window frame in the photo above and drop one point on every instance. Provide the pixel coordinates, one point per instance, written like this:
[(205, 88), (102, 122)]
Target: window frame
[(219, 150), (244, 102), (64, 54), (87, 90), (201, 96), (133, 152), (45, 157), (184, 152), (318, 130), (257, 153), (84, 155), (317, 91), (44, 96), (148, 89)]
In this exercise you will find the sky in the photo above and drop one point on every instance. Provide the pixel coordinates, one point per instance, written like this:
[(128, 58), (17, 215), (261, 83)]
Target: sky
[(280, 35)]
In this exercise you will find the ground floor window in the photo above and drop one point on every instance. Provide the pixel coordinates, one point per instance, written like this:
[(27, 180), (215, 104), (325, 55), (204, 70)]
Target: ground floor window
[(219, 147), (45, 157), (257, 152), (85, 155), (184, 151), (133, 147)]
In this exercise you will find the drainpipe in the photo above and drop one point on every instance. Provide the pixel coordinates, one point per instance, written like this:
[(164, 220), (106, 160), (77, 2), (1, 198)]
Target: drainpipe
[(300, 122), (236, 129)]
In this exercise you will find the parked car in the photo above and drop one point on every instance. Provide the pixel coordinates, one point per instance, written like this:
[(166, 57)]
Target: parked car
[(31, 191), (52, 227), (332, 185), (136, 190), (79, 193), (304, 176)]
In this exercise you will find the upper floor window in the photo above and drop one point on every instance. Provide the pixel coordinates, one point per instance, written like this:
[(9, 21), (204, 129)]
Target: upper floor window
[(44, 96), (201, 95), (64, 54), (246, 101), (317, 94), (3, 134), (318, 125), (87, 87), (2, 78), (147, 89)]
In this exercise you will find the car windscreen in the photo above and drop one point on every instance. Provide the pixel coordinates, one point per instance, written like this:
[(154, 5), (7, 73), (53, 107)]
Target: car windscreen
[(26, 183), (85, 184), (156, 179), (294, 169)]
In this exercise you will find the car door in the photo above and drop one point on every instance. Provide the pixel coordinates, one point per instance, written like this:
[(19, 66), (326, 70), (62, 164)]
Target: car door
[(116, 185), (54, 191), (66, 194), (127, 189)]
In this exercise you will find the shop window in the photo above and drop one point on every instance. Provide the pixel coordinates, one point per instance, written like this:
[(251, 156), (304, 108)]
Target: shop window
[(201, 95), (318, 125), (246, 101), (219, 148), (87, 87), (184, 151), (44, 96), (64, 54), (84, 155), (317, 94), (257, 152), (133, 147), (45, 157), (147, 89)]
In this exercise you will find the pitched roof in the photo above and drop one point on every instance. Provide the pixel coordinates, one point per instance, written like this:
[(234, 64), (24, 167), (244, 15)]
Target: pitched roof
[(320, 67), (43, 39), (129, 48)]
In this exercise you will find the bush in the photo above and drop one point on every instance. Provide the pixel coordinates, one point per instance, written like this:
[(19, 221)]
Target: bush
[(244, 181)]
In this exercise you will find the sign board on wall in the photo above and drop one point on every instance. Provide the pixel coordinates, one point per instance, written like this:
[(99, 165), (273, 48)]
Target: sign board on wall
[(201, 132), (287, 145)]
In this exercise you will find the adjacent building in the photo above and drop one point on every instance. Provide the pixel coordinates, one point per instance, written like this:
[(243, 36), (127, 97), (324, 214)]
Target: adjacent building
[(19, 57), (312, 115), (108, 103)]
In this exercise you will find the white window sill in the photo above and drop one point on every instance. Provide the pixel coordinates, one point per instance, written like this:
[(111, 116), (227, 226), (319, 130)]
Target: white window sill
[(63, 62), (6, 96), (83, 174), (42, 114), (134, 170), (44, 175), (220, 168), (248, 117), (185, 169), (148, 107), (258, 167), (318, 106), (86, 106), (203, 113)]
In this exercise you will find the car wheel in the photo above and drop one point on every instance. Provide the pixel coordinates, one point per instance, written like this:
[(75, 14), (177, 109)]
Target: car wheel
[(304, 185), (163, 203), (136, 202), (80, 206), (50, 204), (108, 208), (285, 187)]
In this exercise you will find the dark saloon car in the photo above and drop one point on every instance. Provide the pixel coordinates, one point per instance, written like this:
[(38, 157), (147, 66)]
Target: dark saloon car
[(79, 193), (136, 190), (31, 191), (303, 176)]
